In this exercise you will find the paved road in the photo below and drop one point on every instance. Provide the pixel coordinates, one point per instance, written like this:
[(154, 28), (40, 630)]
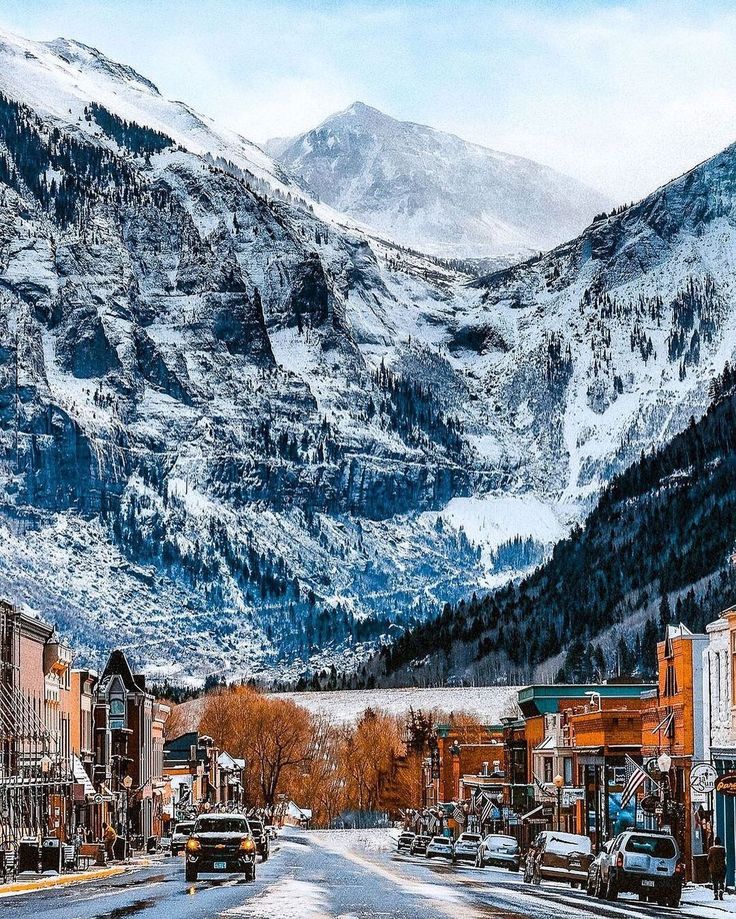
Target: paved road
[(316, 876)]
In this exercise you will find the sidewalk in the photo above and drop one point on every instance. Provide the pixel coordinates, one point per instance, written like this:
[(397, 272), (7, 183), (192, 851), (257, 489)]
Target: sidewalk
[(698, 900), (30, 882)]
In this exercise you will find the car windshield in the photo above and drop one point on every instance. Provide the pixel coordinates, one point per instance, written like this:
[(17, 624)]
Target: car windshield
[(215, 825), (256, 825), (566, 843), (184, 828), (656, 846), (422, 839)]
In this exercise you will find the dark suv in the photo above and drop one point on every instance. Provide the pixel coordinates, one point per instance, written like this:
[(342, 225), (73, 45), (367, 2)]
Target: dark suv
[(220, 842), (263, 843)]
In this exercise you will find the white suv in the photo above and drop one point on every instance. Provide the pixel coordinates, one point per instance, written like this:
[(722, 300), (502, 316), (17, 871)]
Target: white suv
[(643, 862)]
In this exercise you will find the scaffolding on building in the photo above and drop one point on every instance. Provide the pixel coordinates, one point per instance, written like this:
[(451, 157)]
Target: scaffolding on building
[(34, 778)]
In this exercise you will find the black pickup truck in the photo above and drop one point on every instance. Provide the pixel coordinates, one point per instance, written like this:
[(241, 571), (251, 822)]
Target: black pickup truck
[(221, 842), (263, 843)]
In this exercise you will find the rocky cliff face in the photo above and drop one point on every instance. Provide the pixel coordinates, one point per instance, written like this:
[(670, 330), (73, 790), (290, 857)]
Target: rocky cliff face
[(236, 433)]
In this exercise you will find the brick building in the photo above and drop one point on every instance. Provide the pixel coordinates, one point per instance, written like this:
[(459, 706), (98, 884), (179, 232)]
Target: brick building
[(672, 723)]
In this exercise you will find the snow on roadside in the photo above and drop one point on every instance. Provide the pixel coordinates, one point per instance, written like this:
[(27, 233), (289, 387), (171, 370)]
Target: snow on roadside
[(698, 900)]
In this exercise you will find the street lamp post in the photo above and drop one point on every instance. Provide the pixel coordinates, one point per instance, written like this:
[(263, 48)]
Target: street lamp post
[(559, 784), (664, 764)]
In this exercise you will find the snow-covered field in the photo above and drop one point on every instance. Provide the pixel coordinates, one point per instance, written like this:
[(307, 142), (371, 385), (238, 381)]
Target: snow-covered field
[(487, 703)]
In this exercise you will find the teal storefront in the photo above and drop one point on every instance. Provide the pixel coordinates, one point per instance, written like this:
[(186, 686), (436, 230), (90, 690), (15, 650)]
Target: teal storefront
[(725, 812)]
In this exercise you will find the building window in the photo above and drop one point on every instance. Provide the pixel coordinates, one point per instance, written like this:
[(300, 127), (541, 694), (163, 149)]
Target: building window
[(567, 770), (547, 765), (670, 681), (117, 714)]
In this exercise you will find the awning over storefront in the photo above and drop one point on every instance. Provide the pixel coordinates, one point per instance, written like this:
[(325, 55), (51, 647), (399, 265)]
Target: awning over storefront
[(534, 812), (81, 777)]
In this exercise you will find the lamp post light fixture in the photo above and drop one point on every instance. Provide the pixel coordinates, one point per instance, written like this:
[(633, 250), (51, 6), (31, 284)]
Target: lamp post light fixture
[(559, 784), (594, 697)]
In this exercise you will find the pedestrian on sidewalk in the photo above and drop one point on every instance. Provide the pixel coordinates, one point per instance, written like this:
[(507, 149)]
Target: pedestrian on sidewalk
[(717, 867), (108, 838)]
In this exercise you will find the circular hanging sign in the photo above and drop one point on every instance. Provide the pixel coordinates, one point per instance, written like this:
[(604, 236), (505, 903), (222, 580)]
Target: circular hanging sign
[(703, 778), (649, 804), (726, 784)]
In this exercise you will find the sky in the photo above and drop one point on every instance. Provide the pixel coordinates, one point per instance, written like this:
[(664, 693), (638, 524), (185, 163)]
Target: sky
[(623, 96)]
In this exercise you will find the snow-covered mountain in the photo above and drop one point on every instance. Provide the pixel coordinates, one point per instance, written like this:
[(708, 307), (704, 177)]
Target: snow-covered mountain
[(237, 432), (435, 192)]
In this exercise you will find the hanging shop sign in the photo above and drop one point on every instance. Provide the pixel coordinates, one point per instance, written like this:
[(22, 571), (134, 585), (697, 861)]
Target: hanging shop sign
[(703, 778), (726, 784)]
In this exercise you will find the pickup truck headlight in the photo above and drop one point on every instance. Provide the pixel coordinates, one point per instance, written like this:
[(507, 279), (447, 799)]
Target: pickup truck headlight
[(247, 845), (193, 845)]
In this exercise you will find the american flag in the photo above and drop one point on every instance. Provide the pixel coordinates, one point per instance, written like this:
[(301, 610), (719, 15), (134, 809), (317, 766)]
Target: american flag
[(487, 811), (635, 778), (458, 814)]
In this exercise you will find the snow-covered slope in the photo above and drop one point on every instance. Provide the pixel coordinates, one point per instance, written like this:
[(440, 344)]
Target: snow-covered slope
[(237, 433), (433, 191)]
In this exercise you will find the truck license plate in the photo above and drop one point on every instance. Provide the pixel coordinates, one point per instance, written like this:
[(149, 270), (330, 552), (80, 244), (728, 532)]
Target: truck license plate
[(220, 866), (647, 883)]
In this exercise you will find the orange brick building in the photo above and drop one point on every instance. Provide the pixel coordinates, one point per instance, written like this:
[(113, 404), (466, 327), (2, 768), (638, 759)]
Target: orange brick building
[(672, 722)]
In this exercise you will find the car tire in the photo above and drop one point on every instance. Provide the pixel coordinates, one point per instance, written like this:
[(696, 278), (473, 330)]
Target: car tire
[(536, 877), (250, 873), (590, 886), (479, 860), (190, 874), (599, 891), (264, 857), (611, 891), (574, 884)]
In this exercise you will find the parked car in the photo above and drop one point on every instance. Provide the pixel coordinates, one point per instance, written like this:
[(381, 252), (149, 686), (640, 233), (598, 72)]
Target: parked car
[(271, 831), (263, 843), (419, 845), (182, 832), (405, 840), (646, 863), (220, 842), (558, 856), (500, 851), (440, 847), (600, 863), (467, 845)]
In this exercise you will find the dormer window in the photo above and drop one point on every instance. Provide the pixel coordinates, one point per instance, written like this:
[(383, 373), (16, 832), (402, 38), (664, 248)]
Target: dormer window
[(117, 714)]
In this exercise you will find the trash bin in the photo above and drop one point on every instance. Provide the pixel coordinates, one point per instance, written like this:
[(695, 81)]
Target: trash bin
[(120, 849), (700, 869), (51, 854), (28, 854)]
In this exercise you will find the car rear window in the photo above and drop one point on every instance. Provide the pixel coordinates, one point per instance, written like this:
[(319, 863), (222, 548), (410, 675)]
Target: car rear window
[(469, 837), (564, 845), (443, 840), (656, 846), (501, 842), (423, 838), (231, 825)]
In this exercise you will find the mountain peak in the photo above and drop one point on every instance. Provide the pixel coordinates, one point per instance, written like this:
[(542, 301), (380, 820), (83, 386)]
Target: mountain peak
[(433, 191), (85, 57)]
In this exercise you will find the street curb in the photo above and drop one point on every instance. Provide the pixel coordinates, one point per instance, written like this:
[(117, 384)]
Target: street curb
[(64, 879)]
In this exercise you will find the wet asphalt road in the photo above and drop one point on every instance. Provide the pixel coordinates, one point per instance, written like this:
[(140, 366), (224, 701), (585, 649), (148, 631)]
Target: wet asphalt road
[(314, 876)]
